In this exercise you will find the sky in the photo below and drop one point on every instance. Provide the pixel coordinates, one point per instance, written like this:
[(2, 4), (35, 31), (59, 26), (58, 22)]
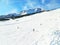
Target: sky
[(15, 6)]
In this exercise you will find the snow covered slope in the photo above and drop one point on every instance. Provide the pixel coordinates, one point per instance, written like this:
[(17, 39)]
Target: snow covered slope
[(38, 29)]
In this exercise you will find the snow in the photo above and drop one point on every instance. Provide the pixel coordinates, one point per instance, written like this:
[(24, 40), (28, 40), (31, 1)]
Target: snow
[(36, 29)]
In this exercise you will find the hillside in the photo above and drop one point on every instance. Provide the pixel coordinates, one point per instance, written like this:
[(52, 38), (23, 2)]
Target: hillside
[(38, 29)]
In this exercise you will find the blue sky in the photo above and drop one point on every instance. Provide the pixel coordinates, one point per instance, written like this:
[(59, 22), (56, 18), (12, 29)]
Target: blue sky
[(15, 6)]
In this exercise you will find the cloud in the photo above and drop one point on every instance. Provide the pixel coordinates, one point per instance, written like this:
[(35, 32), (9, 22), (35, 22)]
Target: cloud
[(12, 11), (52, 5), (30, 4), (6, 2), (7, 8), (43, 1)]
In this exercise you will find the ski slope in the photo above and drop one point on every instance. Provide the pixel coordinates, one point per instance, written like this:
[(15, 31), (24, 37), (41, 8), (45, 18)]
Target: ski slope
[(38, 29)]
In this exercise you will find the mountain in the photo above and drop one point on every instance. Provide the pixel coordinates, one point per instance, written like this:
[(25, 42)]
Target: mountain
[(31, 11), (21, 14)]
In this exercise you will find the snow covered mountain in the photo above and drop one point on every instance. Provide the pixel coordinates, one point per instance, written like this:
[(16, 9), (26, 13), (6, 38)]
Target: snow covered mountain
[(22, 13), (31, 11), (38, 29)]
